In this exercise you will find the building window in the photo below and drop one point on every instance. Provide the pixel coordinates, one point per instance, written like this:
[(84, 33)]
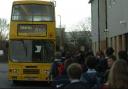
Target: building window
[(113, 1), (110, 3)]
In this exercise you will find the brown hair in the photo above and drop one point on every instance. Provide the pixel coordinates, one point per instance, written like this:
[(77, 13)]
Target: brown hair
[(100, 53), (118, 76), (91, 62), (113, 57), (74, 71)]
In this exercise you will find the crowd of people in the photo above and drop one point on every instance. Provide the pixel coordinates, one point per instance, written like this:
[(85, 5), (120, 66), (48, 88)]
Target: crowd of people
[(84, 70)]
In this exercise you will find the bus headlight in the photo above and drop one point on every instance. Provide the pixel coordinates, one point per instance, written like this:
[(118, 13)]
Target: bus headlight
[(46, 72), (15, 70)]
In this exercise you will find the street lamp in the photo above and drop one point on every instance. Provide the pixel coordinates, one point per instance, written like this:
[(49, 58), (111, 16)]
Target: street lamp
[(61, 33), (60, 20)]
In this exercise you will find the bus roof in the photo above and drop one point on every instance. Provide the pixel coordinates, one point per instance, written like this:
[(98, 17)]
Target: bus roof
[(33, 2)]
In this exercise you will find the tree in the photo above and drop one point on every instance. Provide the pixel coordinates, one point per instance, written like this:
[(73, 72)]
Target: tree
[(4, 29), (81, 34), (85, 25)]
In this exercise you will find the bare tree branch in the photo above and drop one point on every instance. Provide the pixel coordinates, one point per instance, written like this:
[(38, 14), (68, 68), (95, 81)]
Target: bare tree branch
[(4, 28), (81, 34)]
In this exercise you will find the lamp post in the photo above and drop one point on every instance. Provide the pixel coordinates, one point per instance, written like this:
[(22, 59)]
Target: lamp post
[(61, 33), (106, 22), (60, 20)]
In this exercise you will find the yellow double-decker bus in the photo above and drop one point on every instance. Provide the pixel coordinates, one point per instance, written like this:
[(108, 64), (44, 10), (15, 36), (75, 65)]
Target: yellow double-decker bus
[(32, 40)]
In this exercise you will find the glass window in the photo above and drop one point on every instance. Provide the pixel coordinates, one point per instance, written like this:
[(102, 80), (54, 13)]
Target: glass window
[(21, 51), (31, 51), (33, 12), (114, 2), (110, 3)]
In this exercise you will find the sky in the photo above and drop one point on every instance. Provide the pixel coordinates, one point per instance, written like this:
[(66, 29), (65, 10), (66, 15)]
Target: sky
[(71, 11)]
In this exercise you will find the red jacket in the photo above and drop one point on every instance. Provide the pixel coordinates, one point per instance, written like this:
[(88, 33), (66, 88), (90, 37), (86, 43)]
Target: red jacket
[(105, 86)]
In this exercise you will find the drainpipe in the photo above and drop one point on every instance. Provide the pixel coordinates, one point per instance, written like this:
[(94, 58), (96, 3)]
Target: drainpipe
[(106, 18), (98, 26)]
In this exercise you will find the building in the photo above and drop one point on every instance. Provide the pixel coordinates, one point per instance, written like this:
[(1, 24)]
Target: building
[(60, 35), (117, 24), (99, 25), (109, 24)]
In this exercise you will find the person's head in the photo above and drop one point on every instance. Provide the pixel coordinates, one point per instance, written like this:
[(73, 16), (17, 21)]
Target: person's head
[(109, 51), (58, 55), (123, 55), (91, 62), (111, 60), (118, 76), (74, 71), (100, 54), (89, 53), (68, 55), (67, 62)]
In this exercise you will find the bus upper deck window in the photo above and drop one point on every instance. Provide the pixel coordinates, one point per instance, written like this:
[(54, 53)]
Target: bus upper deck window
[(33, 12)]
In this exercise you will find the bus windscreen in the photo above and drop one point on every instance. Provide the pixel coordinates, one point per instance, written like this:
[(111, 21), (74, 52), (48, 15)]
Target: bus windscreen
[(33, 12), (31, 51)]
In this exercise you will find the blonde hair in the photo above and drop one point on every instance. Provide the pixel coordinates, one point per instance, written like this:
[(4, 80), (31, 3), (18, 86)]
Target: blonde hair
[(118, 76)]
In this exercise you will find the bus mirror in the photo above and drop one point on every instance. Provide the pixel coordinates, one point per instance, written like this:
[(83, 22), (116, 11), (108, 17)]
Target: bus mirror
[(53, 1)]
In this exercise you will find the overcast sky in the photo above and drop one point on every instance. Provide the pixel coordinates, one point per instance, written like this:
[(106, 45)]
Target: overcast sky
[(71, 11)]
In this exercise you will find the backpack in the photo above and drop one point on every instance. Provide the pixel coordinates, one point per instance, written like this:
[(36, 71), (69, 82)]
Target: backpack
[(60, 68), (57, 69)]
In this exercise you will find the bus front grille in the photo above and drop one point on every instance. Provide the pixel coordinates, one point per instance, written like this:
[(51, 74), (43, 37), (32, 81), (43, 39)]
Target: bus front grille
[(31, 71)]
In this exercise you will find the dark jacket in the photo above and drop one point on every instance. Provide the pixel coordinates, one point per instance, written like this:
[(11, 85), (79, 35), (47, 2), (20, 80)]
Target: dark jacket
[(91, 78), (61, 81), (77, 85)]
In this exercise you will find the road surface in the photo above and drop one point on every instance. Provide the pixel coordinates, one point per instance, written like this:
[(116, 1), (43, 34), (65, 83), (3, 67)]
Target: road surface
[(5, 83)]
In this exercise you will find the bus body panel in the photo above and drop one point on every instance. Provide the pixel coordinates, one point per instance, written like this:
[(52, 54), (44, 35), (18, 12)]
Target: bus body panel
[(32, 2), (29, 71)]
